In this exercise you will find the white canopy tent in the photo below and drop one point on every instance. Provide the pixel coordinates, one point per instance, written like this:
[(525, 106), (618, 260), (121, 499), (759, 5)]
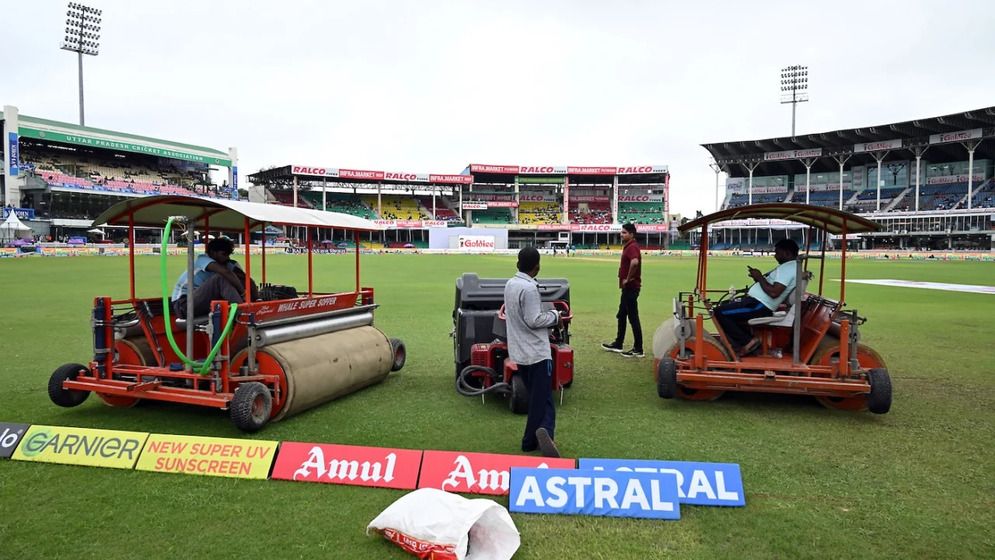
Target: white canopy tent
[(12, 228)]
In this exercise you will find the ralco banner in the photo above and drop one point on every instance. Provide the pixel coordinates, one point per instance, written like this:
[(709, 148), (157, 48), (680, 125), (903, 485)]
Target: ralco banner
[(348, 464), (478, 473)]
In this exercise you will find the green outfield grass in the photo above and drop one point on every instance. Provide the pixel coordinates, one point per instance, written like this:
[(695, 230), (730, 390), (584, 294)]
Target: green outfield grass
[(915, 483)]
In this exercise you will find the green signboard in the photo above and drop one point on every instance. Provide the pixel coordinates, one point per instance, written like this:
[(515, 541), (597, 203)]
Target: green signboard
[(122, 146), (540, 180)]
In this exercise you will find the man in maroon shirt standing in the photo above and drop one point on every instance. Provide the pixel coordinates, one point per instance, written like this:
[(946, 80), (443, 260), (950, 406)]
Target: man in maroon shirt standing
[(629, 281)]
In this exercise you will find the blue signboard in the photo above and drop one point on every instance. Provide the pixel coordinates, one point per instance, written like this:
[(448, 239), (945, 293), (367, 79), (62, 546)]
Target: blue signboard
[(15, 156), (601, 493), (702, 484), (22, 213), (234, 182)]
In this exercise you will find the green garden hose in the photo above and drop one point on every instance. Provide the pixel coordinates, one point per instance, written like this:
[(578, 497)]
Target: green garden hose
[(232, 311)]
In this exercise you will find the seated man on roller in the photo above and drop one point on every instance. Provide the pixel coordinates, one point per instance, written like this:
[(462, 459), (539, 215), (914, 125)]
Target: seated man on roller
[(761, 299), (216, 277)]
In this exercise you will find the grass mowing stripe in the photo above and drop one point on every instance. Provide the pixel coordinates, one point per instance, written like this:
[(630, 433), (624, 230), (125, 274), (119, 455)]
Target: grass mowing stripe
[(819, 483)]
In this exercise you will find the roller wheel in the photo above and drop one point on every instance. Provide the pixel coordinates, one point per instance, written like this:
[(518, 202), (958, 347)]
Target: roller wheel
[(713, 350), (852, 404), (519, 400), (117, 401), (251, 406), (666, 373), (399, 352), (879, 401), (66, 397)]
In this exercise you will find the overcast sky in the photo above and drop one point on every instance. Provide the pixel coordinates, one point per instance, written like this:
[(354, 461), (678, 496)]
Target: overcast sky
[(427, 86)]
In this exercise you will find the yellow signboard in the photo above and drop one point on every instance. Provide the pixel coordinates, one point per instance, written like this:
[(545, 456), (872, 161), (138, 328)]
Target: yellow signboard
[(81, 446), (232, 458)]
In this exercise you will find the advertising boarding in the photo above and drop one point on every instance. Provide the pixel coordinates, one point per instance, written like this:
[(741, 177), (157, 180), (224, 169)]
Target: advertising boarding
[(477, 243)]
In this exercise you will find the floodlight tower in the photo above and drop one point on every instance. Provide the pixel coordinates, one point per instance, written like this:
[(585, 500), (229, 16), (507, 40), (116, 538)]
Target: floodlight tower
[(82, 37), (794, 89)]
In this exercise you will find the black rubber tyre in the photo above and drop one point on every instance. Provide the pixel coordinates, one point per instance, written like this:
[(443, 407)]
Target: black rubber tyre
[(251, 406), (879, 401), (400, 353), (518, 401), (666, 385), (66, 397)]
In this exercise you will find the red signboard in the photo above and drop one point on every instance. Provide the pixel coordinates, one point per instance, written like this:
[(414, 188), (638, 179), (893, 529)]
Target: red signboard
[(480, 168), (591, 170), (478, 473), (347, 464), (651, 228), (270, 311), (455, 179), (361, 174)]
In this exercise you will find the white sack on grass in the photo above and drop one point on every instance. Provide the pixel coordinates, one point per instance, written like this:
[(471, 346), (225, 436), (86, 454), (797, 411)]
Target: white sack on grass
[(430, 523)]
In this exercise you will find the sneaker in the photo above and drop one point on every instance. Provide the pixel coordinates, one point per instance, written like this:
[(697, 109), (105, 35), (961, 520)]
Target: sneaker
[(611, 346), (546, 444), (750, 347), (633, 353)]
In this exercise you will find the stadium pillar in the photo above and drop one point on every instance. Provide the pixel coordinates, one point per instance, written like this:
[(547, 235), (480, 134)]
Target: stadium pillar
[(750, 166), (615, 199), (514, 210), (566, 201), (295, 191), (841, 159), (717, 169), (808, 163), (433, 203), (379, 200), (324, 193), (970, 146), (878, 157), (918, 151), (11, 161)]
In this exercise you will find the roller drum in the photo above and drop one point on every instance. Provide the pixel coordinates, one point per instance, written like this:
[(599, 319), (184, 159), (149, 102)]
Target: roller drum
[(135, 351), (311, 329), (325, 367)]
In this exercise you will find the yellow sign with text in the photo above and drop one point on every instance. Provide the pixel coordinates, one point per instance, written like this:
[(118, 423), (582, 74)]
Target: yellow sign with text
[(232, 458), (81, 446)]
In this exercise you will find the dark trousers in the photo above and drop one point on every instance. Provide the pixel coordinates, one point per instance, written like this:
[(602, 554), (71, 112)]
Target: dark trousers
[(538, 379), (214, 288), (628, 308), (733, 316)]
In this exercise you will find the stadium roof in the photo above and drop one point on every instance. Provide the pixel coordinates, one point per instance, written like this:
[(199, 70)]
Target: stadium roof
[(73, 134), (284, 175), (829, 219), (224, 215), (940, 137), (489, 173), (473, 173)]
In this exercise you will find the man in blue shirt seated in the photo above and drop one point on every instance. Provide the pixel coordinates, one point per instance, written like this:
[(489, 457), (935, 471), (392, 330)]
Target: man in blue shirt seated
[(216, 277), (761, 300)]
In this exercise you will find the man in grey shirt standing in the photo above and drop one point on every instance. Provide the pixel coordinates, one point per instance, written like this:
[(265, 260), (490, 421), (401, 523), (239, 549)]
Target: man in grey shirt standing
[(528, 346)]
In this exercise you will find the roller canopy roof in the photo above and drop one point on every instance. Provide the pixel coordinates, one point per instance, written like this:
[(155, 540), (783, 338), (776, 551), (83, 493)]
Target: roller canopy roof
[(821, 217), (224, 215)]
